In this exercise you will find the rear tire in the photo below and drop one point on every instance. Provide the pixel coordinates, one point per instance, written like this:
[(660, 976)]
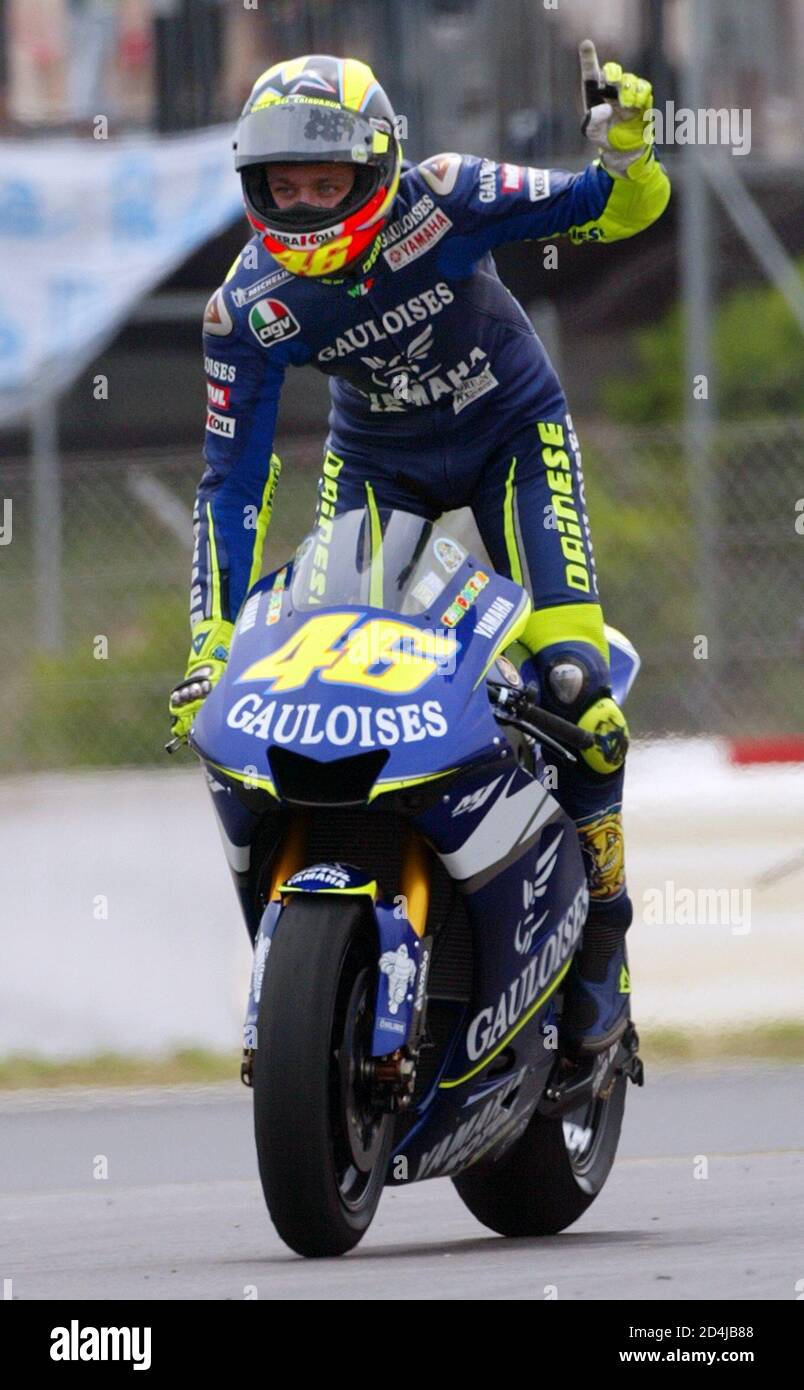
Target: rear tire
[(551, 1174), (322, 1148)]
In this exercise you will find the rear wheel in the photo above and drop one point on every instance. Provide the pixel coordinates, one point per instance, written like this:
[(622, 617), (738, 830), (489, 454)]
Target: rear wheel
[(322, 1144), (551, 1174)]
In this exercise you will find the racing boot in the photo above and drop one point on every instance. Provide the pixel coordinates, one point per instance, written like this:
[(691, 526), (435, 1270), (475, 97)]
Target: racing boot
[(597, 985), (596, 1008), (597, 988)]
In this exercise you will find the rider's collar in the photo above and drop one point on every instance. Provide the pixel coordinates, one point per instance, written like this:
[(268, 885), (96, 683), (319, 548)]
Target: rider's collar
[(354, 278)]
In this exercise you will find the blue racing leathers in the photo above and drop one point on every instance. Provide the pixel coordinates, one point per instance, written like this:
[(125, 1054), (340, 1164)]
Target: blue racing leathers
[(442, 396), (435, 370)]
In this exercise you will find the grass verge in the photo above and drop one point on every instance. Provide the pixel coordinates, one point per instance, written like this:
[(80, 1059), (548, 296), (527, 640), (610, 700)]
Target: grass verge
[(781, 1041), (24, 1072)]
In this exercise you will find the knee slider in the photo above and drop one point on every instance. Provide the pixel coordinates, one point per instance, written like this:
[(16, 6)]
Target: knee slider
[(575, 682)]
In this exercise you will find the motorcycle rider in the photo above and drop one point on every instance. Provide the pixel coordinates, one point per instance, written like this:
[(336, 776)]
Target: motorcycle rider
[(382, 277)]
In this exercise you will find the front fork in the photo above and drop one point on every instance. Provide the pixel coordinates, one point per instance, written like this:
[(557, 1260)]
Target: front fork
[(401, 926), (288, 860)]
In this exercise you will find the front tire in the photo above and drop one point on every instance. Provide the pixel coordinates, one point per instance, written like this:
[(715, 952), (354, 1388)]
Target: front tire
[(322, 1146), (551, 1174)]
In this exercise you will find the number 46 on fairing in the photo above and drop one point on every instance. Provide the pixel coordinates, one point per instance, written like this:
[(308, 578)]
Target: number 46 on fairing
[(382, 654)]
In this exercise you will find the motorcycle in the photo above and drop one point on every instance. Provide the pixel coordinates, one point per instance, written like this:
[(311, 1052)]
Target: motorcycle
[(380, 772)]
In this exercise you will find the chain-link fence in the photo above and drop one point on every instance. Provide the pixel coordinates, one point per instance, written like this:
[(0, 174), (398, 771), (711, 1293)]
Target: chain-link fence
[(717, 614)]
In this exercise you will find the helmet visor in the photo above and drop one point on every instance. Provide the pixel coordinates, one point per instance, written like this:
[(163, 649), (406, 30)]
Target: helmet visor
[(310, 133)]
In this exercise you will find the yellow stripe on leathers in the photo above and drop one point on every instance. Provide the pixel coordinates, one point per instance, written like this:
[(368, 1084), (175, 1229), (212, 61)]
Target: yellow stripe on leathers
[(214, 567), (264, 518)]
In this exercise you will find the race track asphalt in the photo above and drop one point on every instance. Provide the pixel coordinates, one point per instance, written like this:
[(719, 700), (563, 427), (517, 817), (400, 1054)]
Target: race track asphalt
[(180, 1213)]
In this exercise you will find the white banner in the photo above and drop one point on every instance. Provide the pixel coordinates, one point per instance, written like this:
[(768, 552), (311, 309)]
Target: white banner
[(87, 228)]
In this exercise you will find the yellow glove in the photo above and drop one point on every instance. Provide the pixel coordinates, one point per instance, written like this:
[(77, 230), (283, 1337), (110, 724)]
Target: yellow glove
[(616, 119), (209, 652)]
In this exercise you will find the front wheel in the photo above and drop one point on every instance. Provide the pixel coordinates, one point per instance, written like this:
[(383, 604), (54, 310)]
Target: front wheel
[(551, 1174), (322, 1144)]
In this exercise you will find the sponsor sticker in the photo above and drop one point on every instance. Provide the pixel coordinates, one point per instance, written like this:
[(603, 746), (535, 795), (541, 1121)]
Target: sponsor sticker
[(308, 241), (221, 371), (249, 615), (400, 971), (427, 589), (488, 181), (276, 597), (218, 395), (432, 229), (464, 600), (416, 214), (476, 1133), (538, 184), (260, 288), (492, 1024), (473, 389), (220, 424), (261, 950), (494, 617), (449, 554), (363, 335), (307, 724), (271, 322), (512, 177), (320, 874)]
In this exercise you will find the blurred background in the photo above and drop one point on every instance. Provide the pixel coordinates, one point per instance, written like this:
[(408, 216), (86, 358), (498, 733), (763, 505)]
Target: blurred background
[(120, 213)]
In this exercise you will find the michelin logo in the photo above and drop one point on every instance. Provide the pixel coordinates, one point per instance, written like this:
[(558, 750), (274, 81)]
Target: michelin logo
[(269, 282), (401, 972)]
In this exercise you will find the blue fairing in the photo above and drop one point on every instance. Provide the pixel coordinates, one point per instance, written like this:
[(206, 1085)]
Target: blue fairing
[(396, 669), (624, 663), (442, 721)]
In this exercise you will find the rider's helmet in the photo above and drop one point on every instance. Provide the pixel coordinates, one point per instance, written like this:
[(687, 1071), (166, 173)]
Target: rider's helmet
[(314, 110)]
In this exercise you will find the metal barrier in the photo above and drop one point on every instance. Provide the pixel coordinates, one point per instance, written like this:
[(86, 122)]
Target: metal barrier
[(716, 616)]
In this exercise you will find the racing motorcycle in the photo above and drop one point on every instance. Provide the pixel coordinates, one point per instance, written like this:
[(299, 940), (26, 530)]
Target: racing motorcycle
[(380, 770)]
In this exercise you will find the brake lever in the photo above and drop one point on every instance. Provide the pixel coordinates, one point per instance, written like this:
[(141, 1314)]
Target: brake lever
[(507, 710), (536, 733)]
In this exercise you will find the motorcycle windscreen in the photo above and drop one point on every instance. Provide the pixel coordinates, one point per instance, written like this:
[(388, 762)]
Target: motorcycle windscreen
[(377, 558)]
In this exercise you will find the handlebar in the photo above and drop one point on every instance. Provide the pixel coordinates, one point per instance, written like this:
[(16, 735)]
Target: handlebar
[(518, 707)]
